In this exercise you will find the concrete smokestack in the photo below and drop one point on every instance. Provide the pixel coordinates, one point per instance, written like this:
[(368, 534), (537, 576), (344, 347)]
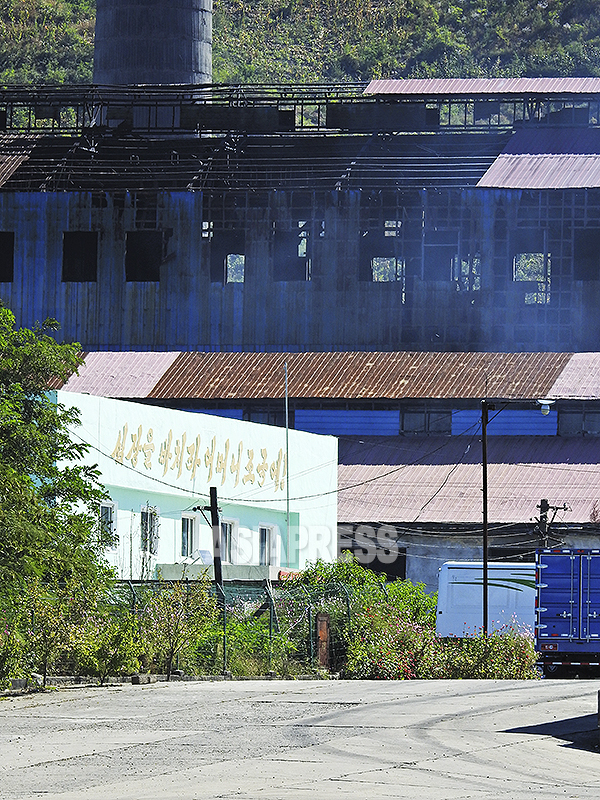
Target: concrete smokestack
[(153, 41)]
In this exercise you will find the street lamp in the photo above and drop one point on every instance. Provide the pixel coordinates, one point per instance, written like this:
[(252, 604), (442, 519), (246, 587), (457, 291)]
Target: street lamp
[(545, 406)]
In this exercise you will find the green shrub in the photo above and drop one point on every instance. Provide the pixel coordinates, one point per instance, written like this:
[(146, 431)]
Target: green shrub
[(173, 618)]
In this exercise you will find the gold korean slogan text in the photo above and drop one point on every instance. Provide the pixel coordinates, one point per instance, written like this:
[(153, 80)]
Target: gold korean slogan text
[(226, 464)]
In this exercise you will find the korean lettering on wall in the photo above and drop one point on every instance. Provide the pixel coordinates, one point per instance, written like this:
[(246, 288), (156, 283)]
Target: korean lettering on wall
[(218, 462)]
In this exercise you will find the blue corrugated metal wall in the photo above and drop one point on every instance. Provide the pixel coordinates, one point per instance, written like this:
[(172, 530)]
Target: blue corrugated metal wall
[(507, 422), (348, 422), (230, 413)]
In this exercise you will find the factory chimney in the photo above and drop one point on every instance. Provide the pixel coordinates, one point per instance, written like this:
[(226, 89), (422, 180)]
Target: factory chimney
[(153, 42)]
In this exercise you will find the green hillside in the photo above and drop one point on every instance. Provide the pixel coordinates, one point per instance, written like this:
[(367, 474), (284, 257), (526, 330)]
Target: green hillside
[(259, 41)]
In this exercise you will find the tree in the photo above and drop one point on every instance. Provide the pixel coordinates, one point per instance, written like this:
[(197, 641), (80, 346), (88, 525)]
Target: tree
[(48, 498), (175, 617)]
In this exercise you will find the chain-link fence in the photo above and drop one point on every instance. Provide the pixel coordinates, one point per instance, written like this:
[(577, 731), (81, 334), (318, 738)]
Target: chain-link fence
[(261, 630)]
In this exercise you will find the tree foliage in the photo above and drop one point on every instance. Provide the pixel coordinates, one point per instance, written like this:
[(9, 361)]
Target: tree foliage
[(255, 41), (48, 498), (46, 41)]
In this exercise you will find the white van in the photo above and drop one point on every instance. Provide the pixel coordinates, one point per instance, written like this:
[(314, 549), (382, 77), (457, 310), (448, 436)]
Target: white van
[(511, 597)]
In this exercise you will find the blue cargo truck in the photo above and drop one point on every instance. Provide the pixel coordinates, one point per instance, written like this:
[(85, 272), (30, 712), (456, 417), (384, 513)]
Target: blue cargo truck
[(567, 630)]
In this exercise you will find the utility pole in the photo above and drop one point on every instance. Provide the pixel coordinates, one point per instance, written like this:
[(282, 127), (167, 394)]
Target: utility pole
[(485, 407), (216, 531), (543, 525), (544, 507), (218, 570)]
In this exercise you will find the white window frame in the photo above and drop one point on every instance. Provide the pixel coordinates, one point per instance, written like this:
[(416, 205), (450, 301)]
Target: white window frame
[(191, 535), (113, 521), (152, 542), (233, 543), (273, 546)]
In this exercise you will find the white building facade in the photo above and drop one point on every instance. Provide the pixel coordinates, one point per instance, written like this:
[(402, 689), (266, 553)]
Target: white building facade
[(277, 493)]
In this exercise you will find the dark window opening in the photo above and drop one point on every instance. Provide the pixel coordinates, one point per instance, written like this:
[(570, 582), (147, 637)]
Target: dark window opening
[(586, 254), (149, 526), (291, 253), (144, 253), (425, 421), (579, 423), (524, 553), (268, 416), (187, 536), (107, 525), (227, 255), (376, 548), (226, 542), (80, 256), (387, 270), (7, 256), (264, 545)]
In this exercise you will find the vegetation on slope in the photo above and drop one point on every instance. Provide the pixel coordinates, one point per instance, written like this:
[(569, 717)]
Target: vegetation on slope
[(256, 41)]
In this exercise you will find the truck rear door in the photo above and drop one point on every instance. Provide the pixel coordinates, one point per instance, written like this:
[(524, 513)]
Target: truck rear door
[(559, 580), (590, 596)]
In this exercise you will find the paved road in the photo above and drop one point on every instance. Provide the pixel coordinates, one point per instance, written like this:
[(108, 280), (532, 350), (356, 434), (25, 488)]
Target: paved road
[(454, 740)]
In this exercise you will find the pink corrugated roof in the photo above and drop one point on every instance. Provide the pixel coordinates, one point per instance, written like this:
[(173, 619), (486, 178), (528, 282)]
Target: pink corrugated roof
[(110, 374), (485, 86), (547, 158), (439, 480), (543, 172), (580, 378)]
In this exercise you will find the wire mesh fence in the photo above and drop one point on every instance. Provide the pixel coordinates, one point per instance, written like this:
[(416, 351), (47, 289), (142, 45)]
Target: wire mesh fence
[(254, 630)]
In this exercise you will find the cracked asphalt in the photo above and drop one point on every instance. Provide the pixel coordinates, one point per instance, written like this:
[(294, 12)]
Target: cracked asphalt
[(454, 740)]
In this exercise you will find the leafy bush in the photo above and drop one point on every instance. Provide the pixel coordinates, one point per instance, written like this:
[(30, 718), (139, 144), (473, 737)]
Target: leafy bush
[(387, 645), (173, 618)]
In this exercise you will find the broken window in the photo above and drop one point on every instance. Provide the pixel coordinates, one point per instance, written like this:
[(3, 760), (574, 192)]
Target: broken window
[(531, 264), (291, 252), (235, 263), (144, 253), (467, 272), (385, 270), (227, 254), (80, 256), (533, 269), (7, 256), (586, 254)]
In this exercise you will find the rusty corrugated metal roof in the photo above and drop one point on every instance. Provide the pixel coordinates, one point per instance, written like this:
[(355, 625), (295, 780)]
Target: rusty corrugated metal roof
[(485, 86), (350, 375), (360, 375), (438, 479), (14, 150)]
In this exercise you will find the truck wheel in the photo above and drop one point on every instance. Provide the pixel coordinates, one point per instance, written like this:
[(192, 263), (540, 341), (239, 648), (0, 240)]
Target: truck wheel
[(553, 670)]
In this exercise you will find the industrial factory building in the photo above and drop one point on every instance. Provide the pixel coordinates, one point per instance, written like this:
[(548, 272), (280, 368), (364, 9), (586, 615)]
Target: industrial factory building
[(403, 215)]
